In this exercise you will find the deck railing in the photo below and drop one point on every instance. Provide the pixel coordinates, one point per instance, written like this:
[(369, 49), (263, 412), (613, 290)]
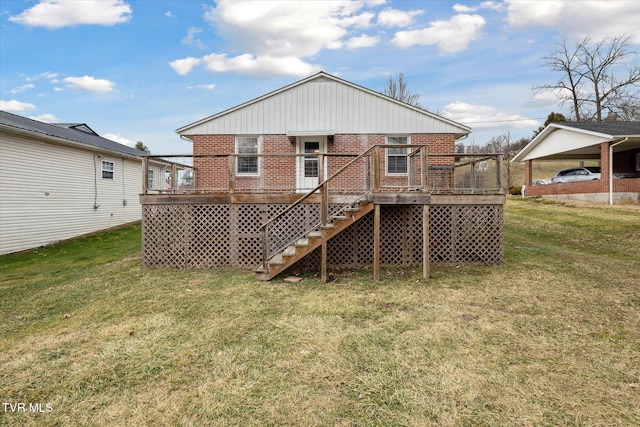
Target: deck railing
[(437, 173)]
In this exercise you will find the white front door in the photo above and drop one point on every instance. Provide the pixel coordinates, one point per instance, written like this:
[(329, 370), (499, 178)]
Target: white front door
[(307, 166)]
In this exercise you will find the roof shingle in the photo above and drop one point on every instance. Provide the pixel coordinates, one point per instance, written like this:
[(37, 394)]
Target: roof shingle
[(75, 132)]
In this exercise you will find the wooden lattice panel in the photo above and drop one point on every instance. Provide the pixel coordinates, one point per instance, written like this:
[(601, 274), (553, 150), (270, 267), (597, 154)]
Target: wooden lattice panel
[(466, 234), (207, 235)]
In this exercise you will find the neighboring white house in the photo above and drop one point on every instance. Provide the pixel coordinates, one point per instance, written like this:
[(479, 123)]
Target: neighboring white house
[(59, 181)]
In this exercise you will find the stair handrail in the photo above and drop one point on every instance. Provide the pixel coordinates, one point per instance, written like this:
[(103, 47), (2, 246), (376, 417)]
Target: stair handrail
[(324, 194)]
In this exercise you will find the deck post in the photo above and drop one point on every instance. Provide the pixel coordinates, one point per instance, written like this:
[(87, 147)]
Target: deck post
[(425, 168), (265, 248), (232, 175), (324, 193), (376, 243), (499, 172), (425, 242), (323, 268), (145, 174), (174, 177), (376, 168)]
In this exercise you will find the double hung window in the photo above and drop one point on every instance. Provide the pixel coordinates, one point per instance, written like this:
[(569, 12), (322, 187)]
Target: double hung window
[(107, 170), (396, 158), (247, 165)]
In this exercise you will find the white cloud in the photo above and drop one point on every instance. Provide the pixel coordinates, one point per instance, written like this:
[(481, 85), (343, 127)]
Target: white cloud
[(600, 19), (205, 87), (358, 21), (90, 84), (185, 65), (277, 36), (362, 41), (461, 8), (276, 28), (119, 139), (259, 65), (46, 75), (397, 18), (485, 117), (63, 13), (169, 14), (450, 36), (494, 5), (16, 106), (191, 40), (46, 118), (22, 88)]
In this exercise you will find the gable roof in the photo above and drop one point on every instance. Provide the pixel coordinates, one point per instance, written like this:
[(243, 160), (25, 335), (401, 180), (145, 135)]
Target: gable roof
[(70, 133), (579, 140), (323, 103)]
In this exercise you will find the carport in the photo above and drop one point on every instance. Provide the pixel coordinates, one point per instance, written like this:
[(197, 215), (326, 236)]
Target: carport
[(616, 145)]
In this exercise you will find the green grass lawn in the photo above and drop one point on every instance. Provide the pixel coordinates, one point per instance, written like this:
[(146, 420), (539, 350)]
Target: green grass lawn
[(550, 338)]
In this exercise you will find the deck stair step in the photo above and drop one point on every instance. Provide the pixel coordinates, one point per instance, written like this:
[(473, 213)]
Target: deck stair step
[(314, 239), (289, 251), (278, 259)]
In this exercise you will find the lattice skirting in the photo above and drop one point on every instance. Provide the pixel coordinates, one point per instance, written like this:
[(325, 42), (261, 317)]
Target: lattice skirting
[(201, 236)]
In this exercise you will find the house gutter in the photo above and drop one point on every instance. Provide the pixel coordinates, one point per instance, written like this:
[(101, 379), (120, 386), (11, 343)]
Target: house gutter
[(611, 168)]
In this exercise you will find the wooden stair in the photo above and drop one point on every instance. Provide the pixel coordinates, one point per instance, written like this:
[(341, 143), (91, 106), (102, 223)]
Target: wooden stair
[(313, 240)]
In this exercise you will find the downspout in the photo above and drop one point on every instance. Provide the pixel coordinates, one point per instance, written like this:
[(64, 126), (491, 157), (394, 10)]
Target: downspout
[(611, 168)]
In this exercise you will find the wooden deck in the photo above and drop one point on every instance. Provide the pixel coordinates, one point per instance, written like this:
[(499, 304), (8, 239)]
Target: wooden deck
[(335, 224)]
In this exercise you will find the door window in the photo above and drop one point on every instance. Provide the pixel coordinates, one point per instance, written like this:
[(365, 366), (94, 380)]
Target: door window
[(311, 162)]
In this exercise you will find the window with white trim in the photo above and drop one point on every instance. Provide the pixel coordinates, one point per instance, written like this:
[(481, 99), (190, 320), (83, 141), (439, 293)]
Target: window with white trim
[(150, 178), (107, 169), (396, 158), (248, 145)]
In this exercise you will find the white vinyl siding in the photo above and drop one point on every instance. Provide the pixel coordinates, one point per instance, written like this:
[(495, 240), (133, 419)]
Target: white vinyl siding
[(324, 104), (48, 192)]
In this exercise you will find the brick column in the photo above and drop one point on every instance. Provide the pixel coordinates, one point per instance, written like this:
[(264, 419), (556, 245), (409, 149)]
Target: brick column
[(528, 172), (604, 166)]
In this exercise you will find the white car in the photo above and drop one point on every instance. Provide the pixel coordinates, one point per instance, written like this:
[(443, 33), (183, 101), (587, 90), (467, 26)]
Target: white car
[(587, 173), (541, 182)]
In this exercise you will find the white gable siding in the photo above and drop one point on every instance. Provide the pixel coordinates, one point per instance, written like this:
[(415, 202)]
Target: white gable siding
[(320, 105), (562, 141), (47, 193)]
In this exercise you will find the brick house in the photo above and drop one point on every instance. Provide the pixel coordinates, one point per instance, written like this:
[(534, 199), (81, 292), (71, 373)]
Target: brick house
[(615, 145), (326, 172)]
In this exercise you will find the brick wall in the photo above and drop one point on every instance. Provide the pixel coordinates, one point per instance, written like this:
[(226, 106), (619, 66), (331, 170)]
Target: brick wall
[(278, 173), (212, 172)]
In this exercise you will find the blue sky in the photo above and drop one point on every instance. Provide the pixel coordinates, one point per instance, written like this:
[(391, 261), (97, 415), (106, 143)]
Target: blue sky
[(136, 70)]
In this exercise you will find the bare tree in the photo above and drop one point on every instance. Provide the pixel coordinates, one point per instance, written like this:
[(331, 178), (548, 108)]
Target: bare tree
[(397, 89), (508, 147), (592, 80), (567, 88)]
